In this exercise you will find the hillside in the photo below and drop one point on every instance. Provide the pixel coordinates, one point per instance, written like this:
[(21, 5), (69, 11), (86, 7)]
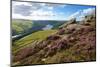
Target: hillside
[(73, 42), (20, 26), (34, 37)]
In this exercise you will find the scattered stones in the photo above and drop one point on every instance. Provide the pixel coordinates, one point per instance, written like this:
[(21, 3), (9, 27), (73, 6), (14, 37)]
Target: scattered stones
[(43, 59)]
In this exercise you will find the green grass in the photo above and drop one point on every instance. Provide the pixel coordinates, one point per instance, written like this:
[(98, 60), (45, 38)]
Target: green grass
[(19, 26), (27, 40)]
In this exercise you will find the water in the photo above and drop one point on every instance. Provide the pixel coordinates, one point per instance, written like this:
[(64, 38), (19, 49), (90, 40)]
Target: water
[(15, 36), (48, 27)]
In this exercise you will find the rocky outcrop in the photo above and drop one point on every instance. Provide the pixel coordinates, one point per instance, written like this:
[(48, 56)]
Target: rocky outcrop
[(72, 21)]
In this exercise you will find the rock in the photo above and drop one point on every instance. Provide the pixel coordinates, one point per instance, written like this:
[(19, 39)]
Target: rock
[(72, 21), (89, 19), (23, 53), (71, 28), (43, 59), (53, 37), (61, 31)]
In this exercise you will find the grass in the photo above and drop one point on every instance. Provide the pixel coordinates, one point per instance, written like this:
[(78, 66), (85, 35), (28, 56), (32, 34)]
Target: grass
[(63, 56), (20, 26), (27, 40)]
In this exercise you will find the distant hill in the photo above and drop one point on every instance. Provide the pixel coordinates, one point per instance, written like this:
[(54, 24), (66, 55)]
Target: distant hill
[(20, 26), (72, 42)]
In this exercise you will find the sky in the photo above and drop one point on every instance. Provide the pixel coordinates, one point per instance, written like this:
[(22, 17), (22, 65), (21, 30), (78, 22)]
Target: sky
[(49, 11)]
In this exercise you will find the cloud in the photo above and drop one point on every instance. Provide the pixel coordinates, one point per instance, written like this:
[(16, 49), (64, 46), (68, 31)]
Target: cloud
[(63, 6), (74, 14), (21, 3), (89, 11), (22, 9), (50, 8), (32, 11), (55, 5), (79, 15), (46, 11), (36, 15), (42, 13)]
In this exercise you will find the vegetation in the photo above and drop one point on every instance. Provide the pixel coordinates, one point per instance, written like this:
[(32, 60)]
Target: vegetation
[(27, 40), (20, 26), (27, 26), (72, 42)]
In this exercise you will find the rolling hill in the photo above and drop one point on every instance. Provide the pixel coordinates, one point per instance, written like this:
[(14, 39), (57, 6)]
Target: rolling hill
[(20, 26)]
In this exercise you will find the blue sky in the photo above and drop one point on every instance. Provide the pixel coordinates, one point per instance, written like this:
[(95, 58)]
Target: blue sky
[(46, 11)]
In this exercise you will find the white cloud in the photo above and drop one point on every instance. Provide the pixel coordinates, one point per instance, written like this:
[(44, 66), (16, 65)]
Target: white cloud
[(21, 3), (89, 11), (32, 13), (43, 4), (79, 15), (74, 15), (42, 13), (36, 15), (18, 16), (50, 8), (63, 6)]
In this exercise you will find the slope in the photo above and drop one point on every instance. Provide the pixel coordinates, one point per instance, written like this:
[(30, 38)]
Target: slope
[(73, 42)]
